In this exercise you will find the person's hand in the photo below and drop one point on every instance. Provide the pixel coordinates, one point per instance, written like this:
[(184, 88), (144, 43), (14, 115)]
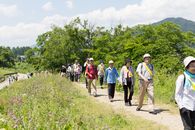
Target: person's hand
[(146, 80)]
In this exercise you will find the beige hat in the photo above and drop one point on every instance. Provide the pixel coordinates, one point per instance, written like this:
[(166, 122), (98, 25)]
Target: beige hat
[(91, 59), (187, 60), (146, 55), (111, 62)]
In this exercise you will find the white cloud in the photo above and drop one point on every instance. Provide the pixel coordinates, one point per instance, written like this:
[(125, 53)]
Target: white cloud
[(69, 4), (25, 34), (48, 6), (8, 10), (148, 11)]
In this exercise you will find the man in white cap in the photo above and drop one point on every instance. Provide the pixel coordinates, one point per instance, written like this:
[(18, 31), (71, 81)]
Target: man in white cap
[(145, 71), (111, 75), (185, 94), (91, 72)]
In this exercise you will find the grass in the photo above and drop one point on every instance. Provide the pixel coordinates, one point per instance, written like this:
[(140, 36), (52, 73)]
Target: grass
[(55, 103), (20, 67)]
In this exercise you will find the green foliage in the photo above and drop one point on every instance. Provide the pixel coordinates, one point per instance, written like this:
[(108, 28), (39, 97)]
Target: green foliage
[(54, 103), (167, 44), (6, 57)]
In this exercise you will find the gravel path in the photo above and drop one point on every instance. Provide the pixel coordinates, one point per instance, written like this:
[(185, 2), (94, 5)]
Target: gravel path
[(164, 117), (6, 82)]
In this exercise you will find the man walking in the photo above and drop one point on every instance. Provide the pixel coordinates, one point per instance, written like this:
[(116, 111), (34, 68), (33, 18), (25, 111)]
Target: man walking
[(145, 71)]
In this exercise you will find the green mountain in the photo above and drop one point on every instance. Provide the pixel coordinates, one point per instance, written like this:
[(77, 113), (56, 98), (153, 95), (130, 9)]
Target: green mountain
[(186, 25)]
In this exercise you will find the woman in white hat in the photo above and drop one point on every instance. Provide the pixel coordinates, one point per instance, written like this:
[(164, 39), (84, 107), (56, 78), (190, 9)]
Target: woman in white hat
[(111, 75), (185, 94)]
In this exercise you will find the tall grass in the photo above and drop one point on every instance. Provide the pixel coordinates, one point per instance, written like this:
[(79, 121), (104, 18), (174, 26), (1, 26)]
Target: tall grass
[(55, 103)]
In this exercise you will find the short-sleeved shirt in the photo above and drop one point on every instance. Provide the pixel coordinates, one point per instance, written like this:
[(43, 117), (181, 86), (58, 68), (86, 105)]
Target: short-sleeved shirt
[(141, 69)]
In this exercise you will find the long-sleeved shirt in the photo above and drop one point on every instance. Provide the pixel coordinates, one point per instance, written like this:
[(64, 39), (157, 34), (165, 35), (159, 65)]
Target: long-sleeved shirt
[(124, 75), (91, 71), (111, 75), (184, 93)]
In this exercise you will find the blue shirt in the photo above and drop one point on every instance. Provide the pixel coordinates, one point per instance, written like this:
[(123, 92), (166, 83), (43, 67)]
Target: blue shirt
[(111, 75)]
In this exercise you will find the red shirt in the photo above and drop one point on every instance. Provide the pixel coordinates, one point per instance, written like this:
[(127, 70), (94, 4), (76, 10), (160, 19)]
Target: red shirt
[(91, 71)]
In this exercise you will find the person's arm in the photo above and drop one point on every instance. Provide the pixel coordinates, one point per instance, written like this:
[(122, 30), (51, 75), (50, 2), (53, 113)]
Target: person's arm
[(133, 83), (106, 75), (121, 75), (179, 91), (116, 73)]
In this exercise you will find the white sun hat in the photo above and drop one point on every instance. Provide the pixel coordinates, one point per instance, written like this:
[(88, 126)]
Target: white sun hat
[(91, 59), (187, 60), (146, 55), (111, 62)]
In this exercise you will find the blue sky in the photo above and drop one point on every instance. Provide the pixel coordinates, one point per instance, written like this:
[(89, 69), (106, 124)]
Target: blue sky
[(23, 20)]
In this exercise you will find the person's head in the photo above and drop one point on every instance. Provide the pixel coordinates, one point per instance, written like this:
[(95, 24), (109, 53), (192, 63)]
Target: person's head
[(111, 63), (147, 58), (101, 62), (128, 62), (91, 60), (189, 63)]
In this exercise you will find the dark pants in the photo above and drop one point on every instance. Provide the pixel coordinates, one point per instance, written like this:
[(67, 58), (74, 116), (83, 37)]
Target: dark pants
[(86, 82), (131, 90), (71, 77), (101, 80), (111, 90), (188, 118)]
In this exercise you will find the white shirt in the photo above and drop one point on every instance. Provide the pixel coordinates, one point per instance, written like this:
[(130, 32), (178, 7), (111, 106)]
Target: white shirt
[(141, 69), (184, 94)]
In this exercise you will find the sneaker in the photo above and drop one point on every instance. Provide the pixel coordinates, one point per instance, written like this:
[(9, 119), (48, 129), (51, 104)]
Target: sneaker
[(138, 109), (111, 100), (94, 94), (101, 87), (153, 112)]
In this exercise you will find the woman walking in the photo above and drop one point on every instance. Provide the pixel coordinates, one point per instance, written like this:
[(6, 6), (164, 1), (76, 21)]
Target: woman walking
[(127, 80)]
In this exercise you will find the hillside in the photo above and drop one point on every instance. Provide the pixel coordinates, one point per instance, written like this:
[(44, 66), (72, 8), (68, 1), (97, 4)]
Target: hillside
[(186, 25)]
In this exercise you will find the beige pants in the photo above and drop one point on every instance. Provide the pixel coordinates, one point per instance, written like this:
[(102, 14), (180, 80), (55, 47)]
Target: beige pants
[(93, 83), (149, 88)]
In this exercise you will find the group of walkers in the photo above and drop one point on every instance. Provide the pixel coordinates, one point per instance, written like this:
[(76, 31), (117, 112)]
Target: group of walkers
[(184, 92), (110, 76), (72, 71)]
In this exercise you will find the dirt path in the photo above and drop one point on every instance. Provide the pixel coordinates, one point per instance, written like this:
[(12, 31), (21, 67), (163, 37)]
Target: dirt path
[(164, 117), (6, 82)]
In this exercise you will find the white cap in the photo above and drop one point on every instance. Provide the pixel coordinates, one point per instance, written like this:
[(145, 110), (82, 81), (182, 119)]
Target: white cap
[(146, 55), (111, 62), (91, 59), (187, 60)]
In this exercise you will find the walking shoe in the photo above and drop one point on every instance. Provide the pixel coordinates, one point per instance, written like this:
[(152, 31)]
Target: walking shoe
[(126, 104), (95, 94), (101, 87), (111, 100), (138, 109), (130, 104), (153, 112)]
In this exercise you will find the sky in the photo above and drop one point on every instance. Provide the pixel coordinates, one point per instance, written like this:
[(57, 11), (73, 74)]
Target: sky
[(23, 20)]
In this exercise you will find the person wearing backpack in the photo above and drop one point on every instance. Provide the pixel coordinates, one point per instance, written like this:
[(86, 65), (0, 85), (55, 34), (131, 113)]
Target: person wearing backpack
[(127, 80), (145, 71), (111, 75), (185, 94), (101, 71), (92, 76)]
